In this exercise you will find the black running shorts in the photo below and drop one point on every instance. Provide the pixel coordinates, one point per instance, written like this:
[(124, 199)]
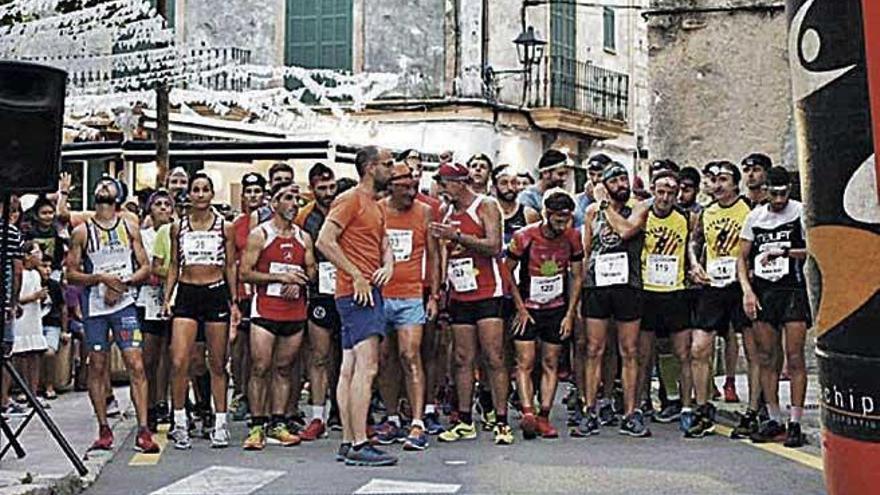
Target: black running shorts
[(622, 303), (719, 308), (469, 313), (666, 312), (548, 323), (780, 306)]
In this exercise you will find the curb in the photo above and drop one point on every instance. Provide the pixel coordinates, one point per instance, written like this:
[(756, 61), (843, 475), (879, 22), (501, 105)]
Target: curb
[(27, 483), (811, 428)]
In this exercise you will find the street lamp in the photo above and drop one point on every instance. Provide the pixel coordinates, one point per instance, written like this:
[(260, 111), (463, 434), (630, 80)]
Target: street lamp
[(529, 48)]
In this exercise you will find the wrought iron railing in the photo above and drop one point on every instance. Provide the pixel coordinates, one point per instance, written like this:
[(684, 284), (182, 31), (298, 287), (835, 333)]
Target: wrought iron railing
[(583, 87)]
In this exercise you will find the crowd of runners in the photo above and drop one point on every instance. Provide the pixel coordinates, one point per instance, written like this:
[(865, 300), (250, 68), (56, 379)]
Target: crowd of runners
[(441, 306)]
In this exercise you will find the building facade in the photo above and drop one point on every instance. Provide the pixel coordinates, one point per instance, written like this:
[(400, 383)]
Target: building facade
[(458, 90)]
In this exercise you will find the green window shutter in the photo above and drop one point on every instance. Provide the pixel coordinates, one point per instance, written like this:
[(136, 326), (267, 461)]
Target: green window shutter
[(610, 35), (563, 54), (318, 34), (171, 11)]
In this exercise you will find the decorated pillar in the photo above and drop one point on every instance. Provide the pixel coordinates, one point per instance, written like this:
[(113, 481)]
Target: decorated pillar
[(835, 73)]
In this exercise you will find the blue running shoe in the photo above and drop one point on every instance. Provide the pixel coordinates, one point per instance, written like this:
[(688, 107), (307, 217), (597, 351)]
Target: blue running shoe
[(417, 440), (369, 456), (433, 425), (686, 420)]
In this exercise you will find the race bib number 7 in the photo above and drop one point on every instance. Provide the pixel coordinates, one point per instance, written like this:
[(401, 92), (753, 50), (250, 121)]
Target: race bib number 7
[(612, 269)]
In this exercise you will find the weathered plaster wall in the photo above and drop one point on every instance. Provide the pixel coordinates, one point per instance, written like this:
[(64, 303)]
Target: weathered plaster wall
[(256, 25)]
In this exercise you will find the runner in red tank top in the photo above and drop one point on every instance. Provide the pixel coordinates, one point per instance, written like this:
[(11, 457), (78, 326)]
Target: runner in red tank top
[(472, 229), (279, 261), (253, 196)]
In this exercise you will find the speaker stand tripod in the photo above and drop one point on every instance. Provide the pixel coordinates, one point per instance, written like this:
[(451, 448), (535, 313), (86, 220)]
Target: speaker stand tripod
[(5, 364)]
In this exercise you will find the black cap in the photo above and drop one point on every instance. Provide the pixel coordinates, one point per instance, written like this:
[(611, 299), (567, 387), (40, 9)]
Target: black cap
[(759, 160), (690, 174), (253, 179), (552, 159), (614, 169), (598, 162), (664, 164)]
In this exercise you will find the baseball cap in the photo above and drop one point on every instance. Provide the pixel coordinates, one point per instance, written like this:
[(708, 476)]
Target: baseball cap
[(452, 171), (759, 160), (552, 159), (598, 162), (664, 164), (253, 179), (614, 169), (401, 174)]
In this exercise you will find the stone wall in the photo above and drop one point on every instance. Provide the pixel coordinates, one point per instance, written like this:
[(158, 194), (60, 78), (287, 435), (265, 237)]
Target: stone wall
[(407, 37), (255, 25), (719, 84)]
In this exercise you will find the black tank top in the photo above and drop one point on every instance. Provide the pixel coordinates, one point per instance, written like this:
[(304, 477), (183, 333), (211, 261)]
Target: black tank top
[(514, 223)]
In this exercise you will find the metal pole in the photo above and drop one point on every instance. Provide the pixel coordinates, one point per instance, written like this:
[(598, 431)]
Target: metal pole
[(162, 117)]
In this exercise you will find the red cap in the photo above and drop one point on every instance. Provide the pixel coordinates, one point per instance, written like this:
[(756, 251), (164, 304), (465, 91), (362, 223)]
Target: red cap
[(452, 171)]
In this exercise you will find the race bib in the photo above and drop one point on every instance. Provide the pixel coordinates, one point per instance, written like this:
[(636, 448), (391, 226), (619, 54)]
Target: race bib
[(153, 298), (545, 289), (662, 270), (771, 270), (612, 269), (201, 248), (115, 262), (461, 274), (722, 271), (274, 290), (326, 278), (401, 243)]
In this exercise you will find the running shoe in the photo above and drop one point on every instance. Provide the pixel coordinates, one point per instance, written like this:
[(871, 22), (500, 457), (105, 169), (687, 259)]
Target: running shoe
[(280, 435), (112, 408), (686, 420), (388, 433), (670, 413), (503, 434), (180, 436), (163, 413), (417, 439), (703, 425), (333, 422), (256, 439), (546, 429), (794, 438), (488, 420), (607, 416), (105, 439), (529, 425), (647, 408), (748, 425), (716, 394), (144, 442), (342, 453), (15, 410), (239, 408), (730, 392), (219, 437), (313, 431), (634, 425), (770, 431), (459, 431), (152, 422), (433, 425), (588, 426), (369, 456)]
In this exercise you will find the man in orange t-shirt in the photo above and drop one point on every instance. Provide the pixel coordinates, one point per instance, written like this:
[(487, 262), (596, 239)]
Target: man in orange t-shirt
[(415, 254), (353, 239)]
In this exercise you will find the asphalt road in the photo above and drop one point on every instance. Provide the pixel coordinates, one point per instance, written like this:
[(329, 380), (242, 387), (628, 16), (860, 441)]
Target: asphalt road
[(608, 463)]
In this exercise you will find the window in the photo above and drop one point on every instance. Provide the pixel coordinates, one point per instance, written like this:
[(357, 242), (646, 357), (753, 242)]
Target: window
[(610, 41), (318, 34)]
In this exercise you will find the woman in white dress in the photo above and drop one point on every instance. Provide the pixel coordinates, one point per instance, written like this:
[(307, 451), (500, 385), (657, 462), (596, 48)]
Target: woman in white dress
[(30, 343)]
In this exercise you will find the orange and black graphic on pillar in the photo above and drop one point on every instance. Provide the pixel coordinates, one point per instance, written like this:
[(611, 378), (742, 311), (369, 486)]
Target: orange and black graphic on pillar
[(836, 90)]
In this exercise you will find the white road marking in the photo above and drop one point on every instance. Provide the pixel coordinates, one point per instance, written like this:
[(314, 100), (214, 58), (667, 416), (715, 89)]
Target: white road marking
[(376, 486), (221, 479), (455, 463)]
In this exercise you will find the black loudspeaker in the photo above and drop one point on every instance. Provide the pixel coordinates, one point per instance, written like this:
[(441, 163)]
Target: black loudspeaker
[(31, 114)]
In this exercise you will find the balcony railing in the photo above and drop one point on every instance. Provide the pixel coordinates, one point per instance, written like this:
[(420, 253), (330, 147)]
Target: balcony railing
[(562, 82)]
